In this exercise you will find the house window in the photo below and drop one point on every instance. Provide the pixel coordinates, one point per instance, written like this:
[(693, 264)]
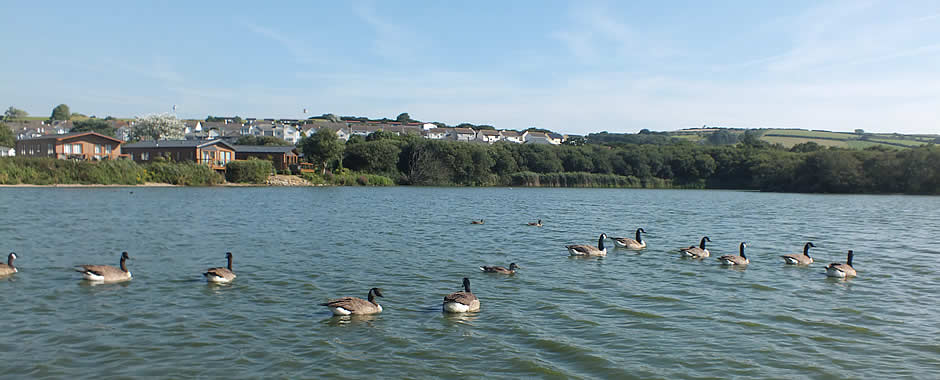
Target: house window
[(107, 149), (68, 148), (145, 156), (49, 149), (97, 149), (77, 148)]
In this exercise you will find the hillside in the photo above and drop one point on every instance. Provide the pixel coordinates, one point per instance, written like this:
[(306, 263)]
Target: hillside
[(790, 137)]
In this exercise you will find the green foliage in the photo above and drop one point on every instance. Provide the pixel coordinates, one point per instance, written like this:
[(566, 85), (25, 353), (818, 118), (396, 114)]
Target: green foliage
[(182, 173), (378, 156), (14, 114), (722, 137), (61, 112), (404, 118), (262, 140), (248, 171), (93, 125), (348, 178), (322, 148), (7, 138)]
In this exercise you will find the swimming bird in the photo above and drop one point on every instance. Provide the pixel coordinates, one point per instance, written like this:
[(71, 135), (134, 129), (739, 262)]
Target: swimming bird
[(221, 275), (588, 250), (353, 305), (476, 221), (628, 243), (735, 259), (536, 224), (106, 273), (696, 252), (503, 270), (798, 259), (8, 268), (842, 270), (461, 302)]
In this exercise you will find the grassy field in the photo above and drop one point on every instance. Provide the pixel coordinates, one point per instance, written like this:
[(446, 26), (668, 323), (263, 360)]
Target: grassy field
[(812, 134), (791, 137), (791, 141)]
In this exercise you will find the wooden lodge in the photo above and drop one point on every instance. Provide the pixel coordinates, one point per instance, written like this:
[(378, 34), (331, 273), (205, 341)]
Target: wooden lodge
[(78, 146), (282, 156), (214, 153)]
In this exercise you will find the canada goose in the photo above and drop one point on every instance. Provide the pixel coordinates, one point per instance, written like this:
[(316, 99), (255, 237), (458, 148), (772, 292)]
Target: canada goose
[(696, 252), (353, 305), (503, 270), (536, 224), (735, 259), (8, 268), (628, 243), (221, 275), (588, 250), (797, 259), (841, 270), (105, 273), (476, 221), (461, 302)]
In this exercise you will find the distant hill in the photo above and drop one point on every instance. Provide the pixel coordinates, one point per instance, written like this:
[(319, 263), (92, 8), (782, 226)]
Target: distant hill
[(791, 137)]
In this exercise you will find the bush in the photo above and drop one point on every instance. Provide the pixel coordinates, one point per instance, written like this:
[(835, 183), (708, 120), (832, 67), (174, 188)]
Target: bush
[(182, 173), (249, 171), (347, 178)]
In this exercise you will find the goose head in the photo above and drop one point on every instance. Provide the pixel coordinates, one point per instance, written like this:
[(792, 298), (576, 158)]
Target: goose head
[(741, 249), (228, 255), (513, 266), (807, 247), (10, 258), (638, 232), (466, 285), (849, 260), (375, 292), (702, 243), (124, 256)]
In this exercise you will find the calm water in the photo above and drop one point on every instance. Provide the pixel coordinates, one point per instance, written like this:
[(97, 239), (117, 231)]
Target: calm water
[(629, 315)]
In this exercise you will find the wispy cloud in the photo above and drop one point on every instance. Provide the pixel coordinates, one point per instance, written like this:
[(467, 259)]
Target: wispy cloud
[(392, 41), (296, 48)]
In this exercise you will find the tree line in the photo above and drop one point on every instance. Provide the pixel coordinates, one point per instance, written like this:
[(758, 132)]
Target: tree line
[(749, 164)]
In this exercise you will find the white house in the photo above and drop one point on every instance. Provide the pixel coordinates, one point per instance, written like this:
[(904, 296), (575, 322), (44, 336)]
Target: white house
[(7, 152), (464, 134), (511, 136), (438, 133), (488, 136), (428, 126), (531, 137)]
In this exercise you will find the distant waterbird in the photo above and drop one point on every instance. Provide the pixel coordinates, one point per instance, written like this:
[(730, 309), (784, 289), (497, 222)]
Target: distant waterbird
[(798, 259), (536, 224), (739, 259), (8, 268), (696, 252), (221, 275), (353, 305), (461, 302), (588, 250), (629, 243), (476, 221), (106, 273), (842, 270), (497, 269)]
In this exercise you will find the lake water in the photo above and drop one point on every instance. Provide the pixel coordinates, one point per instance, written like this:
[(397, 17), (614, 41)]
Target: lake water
[(627, 315)]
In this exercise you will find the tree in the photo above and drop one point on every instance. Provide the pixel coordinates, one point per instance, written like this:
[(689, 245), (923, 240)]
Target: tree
[(13, 114), (404, 118), (94, 125), (323, 147), (6, 136), (722, 137), (61, 112), (158, 127)]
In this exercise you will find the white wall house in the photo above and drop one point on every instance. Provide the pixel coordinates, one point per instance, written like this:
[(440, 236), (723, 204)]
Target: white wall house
[(537, 138), (511, 136), (488, 136), (438, 133), (464, 134), (7, 152)]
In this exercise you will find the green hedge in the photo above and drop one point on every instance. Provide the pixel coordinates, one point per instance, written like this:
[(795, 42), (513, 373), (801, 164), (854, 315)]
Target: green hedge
[(248, 171), (582, 179), (51, 171), (347, 178)]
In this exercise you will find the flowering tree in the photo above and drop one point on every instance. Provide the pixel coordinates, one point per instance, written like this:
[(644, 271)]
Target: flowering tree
[(158, 127)]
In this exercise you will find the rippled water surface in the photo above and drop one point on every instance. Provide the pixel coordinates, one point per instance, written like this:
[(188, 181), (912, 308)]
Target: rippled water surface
[(628, 315)]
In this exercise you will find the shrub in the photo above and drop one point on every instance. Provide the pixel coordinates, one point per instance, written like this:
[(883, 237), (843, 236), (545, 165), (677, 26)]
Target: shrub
[(248, 171)]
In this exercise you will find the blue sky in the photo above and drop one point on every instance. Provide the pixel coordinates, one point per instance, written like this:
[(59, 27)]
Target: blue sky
[(573, 67)]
